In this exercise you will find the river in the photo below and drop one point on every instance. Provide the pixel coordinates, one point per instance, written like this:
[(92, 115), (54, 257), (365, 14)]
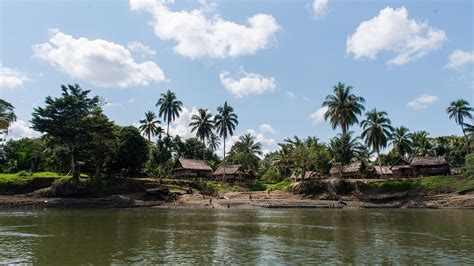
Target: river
[(208, 236)]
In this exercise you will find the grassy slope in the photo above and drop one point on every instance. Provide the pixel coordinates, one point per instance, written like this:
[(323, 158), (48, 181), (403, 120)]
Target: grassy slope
[(19, 180)]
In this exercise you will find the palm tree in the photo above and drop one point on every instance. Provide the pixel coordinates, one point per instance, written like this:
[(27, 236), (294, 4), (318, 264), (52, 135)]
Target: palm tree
[(459, 110), (225, 122), (422, 145), (343, 107), (213, 141), (7, 116), (150, 126), (246, 152), (202, 123), (376, 132), (401, 141), (169, 108), (344, 148)]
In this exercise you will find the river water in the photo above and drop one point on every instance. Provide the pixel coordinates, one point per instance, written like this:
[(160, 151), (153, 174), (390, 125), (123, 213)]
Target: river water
[(296, 236)]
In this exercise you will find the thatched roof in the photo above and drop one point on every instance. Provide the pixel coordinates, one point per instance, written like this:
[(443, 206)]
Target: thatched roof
[(229, 170), (354, 167), (307, 175), (385, 170), (399, 164), (428, 161), (191, 164)]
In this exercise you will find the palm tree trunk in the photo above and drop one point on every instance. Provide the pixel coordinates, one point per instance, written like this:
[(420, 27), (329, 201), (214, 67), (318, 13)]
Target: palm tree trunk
[(168, 129), (224, 159), (380, 163), (204, 151)]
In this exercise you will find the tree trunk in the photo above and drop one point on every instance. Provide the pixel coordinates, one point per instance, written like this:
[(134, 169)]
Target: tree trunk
[(168, 129), (303, 174), (204, 151), (224, 160), (75, 175), (380, 163)]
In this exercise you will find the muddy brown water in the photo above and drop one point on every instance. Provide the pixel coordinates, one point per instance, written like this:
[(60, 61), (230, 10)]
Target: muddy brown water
[(206, 236)]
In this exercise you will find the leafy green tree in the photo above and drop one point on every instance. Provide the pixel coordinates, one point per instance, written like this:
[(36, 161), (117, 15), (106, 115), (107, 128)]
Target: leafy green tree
[(246, 152), (169, 108), (343, 107), (102, 140), (131, 152), (459, 110), (225, 122), (344, 148), (376, 131), (66, 119), (401, 141), (422, 145), (150, 126), (23, 155), (7, 116), (202, 123)]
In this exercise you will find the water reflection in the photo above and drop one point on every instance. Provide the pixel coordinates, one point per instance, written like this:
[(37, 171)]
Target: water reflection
[(237, 236)]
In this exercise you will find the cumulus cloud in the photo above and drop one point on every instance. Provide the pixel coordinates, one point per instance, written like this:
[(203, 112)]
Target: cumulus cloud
[(248, 83), (318, 115), (11, 78), (139, 47), (267, 128), (320, 8), (197, 35), (394, 32), (459, 59), (100, 62), (20, 129), (423, 101)]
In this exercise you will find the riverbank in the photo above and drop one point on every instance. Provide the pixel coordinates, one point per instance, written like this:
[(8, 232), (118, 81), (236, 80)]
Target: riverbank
[(242, 200)]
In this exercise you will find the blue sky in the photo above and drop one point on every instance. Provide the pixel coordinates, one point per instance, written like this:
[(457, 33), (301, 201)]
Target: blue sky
[(273, 61)]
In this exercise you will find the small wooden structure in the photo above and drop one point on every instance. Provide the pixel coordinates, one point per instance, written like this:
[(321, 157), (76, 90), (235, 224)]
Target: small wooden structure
[(307, 176), (353, 170), (190, 168), (402, 169), (234, 173), (383, 171), (430, 165)]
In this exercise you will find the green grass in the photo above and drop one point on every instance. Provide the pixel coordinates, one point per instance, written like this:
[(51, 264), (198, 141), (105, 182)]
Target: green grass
[(431, 184), (23, 178)]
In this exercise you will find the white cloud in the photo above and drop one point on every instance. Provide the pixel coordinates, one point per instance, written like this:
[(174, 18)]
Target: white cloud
[(267, 128), (131, 100), (100, 62), (249, 83), (20, 129), (423, 101), (392, 31), (139, 47), (259, 137), (290, 94), (320, 8), (318, 115), (460, 59), (198, 36), (11, 78), (110, 104), (180, 127)]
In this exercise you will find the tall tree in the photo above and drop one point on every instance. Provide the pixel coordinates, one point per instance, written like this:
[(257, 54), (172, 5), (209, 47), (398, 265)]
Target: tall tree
[(7, 116), (376, 131), (246, 152), (225, 122), (459, 110), (343, 107), (422, 145), (344, 148), (213, 142), (102, 140), (401, 141), (169, 108), (203, 124), (66, 118), (150, 126)]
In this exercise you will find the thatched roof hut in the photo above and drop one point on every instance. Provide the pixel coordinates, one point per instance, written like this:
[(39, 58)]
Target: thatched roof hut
[(308, 175), (192, 168), (352, 170), (430, 165), (383, 171), (234, 173), (401, 168)]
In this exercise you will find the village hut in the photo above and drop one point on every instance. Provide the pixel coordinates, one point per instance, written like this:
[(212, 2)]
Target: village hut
[(234, 173), (430, 165), (307, 176), (383, 171), (401, 169), (353, 170), (190, 168)]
